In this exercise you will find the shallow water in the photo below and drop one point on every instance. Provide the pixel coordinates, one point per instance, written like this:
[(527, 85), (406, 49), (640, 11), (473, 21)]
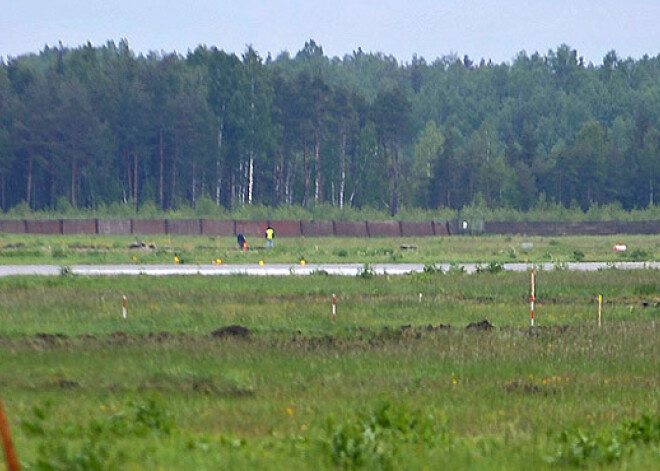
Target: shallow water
[(343, 269)]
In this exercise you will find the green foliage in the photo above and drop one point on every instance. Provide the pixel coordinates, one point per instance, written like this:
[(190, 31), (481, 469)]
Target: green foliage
[(582, 448), (492, 268), (93, 445), (388, 385), (545, 133), (578, 255), (639, 254), (367, 272), (432, 269), (372, 439)]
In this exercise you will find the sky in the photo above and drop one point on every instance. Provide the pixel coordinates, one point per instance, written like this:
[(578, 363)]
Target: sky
[(489, 29)]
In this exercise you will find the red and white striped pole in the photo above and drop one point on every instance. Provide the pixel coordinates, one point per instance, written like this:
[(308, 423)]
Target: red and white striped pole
[(7, 444), (334, 307), (531, 299)]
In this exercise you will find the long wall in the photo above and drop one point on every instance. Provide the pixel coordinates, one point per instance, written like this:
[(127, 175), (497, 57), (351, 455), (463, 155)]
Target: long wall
[(297, 228), (573, 228), (283, 228)]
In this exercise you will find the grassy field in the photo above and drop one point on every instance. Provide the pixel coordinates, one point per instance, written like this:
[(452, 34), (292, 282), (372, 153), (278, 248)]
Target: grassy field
[(386, 386), (93, 249)]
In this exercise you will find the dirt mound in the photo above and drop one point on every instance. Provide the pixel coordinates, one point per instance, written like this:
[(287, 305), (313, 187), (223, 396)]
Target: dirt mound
[(231, 331), (482, 325), (160, 336), (51, 338), (64, 383), (119, 337)]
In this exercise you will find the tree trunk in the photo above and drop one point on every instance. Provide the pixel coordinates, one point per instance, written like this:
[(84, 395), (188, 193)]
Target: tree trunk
[(318, 189), (288, 194), (342, 164), (394, 208), (218, 164), (306, 176), (250, 189), (53, 199), (194, 184), (129, 172), (135, 180), (28, 193), (278, 183), (74, 201), (161, 172), (173, 176)]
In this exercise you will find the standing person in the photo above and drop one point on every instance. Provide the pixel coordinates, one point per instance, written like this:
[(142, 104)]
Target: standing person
[(270, 236)]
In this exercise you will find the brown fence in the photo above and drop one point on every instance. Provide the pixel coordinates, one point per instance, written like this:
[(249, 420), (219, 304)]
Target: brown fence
[(317, 228), (416, 228), (545, 228), (114, 226), (384, 228), (287, 228), (53, 226), (149, 226), (350, 228), (79, 226), (251, 228), (296, 228), (12, 227), (184, 226), (218, 227)]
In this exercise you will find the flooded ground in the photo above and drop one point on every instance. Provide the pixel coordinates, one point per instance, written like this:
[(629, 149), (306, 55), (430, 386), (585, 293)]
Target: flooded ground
[(344, 269)]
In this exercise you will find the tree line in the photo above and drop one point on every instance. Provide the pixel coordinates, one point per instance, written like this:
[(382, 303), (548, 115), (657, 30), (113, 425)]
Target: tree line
[(99, 125)]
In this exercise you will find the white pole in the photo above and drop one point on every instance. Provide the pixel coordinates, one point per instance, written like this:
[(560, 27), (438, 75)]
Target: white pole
[(531, 299), (334, 307), (124, 307)]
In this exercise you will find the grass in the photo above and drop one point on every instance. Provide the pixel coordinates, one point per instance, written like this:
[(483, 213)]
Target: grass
[(85, 390), (97, 249)]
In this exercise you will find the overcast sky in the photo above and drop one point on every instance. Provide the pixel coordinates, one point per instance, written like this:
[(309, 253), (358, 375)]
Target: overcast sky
[(489, 29)]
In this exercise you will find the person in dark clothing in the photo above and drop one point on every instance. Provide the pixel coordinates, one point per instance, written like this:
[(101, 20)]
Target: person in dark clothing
[(242, 243)]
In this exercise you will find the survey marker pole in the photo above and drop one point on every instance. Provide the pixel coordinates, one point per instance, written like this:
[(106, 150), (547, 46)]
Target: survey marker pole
[(7, 445), (532, 282), (334, 307)]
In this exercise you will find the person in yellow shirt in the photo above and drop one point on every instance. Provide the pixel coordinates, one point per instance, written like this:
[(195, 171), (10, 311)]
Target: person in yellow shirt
[(270, 237)]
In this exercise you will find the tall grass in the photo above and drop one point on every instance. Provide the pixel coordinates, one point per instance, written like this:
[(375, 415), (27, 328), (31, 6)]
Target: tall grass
[(377, 389)]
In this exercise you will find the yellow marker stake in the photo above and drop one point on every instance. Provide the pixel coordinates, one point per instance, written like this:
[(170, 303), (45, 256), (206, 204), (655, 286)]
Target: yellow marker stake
[(261, 263), (600, 310)]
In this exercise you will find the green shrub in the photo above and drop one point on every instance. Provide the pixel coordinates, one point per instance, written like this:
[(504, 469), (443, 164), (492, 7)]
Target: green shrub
[(432, 269), (580, 448), (373, 439), (639, 254), (367, 272)]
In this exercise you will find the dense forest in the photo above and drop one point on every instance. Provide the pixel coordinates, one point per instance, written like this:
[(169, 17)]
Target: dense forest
[(95, 126)]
